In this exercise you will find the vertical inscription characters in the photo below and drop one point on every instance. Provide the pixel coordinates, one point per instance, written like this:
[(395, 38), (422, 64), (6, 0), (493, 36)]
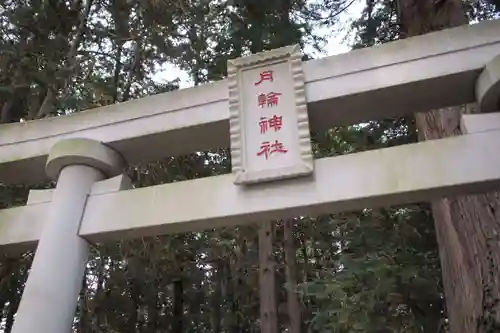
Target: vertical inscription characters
[(269, 124), (272, 123)]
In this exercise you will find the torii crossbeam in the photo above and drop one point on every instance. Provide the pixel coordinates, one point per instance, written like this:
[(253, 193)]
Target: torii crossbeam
[(86, 153)]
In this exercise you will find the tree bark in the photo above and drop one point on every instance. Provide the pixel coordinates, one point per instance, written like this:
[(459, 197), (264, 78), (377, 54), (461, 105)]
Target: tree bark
[(178, 307), (6, 269), (294, 309), (117, 71), (152, 324), (216, 300), (14, 299), (16, 286), (232, 294), (468, 227), (134, 65), (82, 306), (268, 305), (133, 314), (100, 296)]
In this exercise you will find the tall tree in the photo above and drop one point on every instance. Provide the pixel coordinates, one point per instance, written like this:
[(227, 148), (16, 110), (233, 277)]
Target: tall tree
[(468, 227), (368, 270), (267, 272), (291, 272)]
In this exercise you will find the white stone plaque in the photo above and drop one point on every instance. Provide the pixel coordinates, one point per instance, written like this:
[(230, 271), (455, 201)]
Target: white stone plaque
[(269, 124)]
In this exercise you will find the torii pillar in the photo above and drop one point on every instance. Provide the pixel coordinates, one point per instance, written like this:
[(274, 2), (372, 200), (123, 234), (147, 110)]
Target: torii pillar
[(49, 299)]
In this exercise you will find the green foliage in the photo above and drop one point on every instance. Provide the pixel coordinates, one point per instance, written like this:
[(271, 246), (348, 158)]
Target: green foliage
[(386, 275), (366, 271)]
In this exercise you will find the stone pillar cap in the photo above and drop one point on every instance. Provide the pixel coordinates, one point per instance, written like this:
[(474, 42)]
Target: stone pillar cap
[(80, 151), (488, 87)]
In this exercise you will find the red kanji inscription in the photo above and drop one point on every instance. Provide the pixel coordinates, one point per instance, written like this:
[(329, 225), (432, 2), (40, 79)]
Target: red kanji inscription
[(263, 125), (269, 100), (262, 100), (265, 76), (275, 122), (278, 147), (267, 148), (272, 98)]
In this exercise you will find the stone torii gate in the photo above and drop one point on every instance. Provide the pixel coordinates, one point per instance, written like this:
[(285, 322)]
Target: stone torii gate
[(264, 111)]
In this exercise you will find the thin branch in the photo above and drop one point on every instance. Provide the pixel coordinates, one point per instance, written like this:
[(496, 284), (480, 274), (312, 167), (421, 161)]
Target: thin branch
[(340, 11)]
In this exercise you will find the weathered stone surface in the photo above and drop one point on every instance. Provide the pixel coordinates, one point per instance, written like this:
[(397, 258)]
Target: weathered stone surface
[(401, 77), (409, 173)]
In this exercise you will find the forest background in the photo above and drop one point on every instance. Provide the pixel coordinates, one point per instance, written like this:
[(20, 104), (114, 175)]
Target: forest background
[(375, 270)]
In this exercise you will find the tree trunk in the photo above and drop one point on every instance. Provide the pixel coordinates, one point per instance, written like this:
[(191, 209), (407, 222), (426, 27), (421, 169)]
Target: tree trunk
[(133, 314), (233, 296), (134, 65), (82, 306), (268, 305), (96, 308), (467, 227), (152, 324), (16, 288), (178, 307), (14, 299), (294, 310), (6, 269), (117, 71), (216, 301)]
